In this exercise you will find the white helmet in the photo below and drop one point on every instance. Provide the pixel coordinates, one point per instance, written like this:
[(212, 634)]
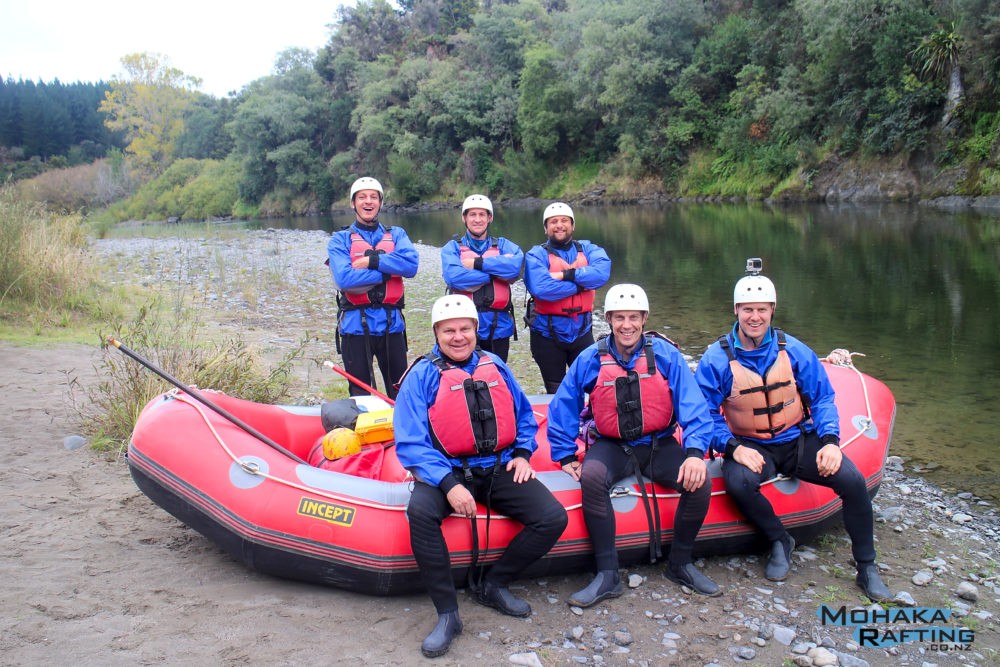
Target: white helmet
[(754, 289), (626, 297), (366, 183), (557, 208), (477, 201), (451, 306)]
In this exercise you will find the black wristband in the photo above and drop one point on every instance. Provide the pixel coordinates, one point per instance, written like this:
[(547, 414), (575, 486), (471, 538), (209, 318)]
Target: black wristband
[(477, 263), (830, 439), (569, 274)]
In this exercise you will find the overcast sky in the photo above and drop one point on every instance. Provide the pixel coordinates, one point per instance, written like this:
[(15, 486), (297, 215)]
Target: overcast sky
[(226, 44)]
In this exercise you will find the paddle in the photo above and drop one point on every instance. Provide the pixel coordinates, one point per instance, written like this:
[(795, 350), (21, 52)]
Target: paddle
[(363, 385), (194, 393)]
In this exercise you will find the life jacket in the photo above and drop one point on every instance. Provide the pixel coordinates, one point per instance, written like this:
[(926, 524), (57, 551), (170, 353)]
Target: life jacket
[(581, 302), (387, 294), (761, 408), (628, 404), (472, 414), (493, 295)]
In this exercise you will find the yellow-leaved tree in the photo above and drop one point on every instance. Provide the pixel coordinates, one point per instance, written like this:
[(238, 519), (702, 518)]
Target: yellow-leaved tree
[(148, 103)]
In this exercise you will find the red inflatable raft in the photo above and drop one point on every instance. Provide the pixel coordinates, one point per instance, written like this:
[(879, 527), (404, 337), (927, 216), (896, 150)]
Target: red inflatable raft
[(344, 529)]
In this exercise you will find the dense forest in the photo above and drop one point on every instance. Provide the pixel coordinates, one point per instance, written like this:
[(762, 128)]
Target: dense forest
[(554, 98)]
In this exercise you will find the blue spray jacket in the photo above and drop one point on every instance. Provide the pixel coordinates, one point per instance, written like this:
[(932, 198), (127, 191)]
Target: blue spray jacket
[(715, 378), (411, 424), (541, 286), (690, 409), (506, 266), (402, 261)]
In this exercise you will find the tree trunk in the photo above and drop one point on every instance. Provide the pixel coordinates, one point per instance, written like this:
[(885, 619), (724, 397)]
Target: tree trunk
[(955, 94)]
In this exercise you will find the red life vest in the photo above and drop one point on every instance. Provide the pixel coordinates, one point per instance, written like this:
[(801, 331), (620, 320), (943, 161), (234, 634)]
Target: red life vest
[(581, 302), (628, 404), (472, 414), (493, 295), (759, 407), (388, 293)]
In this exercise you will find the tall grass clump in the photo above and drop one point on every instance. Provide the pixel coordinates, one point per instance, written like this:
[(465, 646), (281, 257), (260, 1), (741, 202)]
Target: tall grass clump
[(42, 257), (109, 408)]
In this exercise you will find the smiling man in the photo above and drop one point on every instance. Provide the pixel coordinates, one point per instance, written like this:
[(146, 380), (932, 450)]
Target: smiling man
[(774, 412), (368, 263), (640, 389), (482, 267), (561, 276), (466, 432)]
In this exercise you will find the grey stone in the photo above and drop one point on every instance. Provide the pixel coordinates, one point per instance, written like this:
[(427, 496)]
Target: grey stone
[(922, 578), (527, 659), (782, 634), (967, 591)]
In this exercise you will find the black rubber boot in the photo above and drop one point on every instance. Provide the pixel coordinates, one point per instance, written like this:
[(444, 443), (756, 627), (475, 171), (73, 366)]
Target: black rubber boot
[(501, 599), (780, 561), (448, 627), (607, 584), (870, 582), (690, 576)]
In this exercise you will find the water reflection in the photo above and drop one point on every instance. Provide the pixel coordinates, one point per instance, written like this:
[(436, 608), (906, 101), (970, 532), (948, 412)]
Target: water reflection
[(914, 288)]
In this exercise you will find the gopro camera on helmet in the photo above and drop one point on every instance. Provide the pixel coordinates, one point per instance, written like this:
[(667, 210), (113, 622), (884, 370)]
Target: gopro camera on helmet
[(754, 266)]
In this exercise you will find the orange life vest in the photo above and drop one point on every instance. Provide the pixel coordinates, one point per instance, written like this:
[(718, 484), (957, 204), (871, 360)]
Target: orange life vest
[(581, 302), (761, 408), (388, 293), (493, 295), (628, 404), (472, 414)]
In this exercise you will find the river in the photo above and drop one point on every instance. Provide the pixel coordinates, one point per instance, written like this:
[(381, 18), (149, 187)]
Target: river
[(914, 288)]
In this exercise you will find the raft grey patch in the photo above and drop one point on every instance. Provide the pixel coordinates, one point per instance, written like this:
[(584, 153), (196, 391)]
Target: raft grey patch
[(787, 485), (867, 427), (243, 473)]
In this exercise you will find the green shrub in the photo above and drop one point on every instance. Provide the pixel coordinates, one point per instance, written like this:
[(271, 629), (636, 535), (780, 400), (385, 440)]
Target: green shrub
[(163, 337)]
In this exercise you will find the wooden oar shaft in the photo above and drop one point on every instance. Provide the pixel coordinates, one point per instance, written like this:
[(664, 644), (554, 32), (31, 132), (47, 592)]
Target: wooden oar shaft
[(194, 393)]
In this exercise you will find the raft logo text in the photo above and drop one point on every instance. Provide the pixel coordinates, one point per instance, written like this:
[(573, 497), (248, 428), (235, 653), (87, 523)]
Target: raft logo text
[(338, 514), (937, 637)]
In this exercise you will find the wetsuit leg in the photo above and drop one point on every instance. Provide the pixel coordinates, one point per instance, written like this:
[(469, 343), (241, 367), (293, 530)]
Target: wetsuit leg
[(427, 509), (532, 504), (692, 506), (743, 486), (356, 358), (390, 351), (849, 484), (605, 464), (550, 359), (498, 346)]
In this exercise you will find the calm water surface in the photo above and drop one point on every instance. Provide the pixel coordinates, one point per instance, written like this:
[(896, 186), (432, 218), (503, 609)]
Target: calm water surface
[(917, 290)]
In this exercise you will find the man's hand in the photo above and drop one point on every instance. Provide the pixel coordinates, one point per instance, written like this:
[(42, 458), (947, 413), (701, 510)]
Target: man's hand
[(362, 262), (461, 500), (573, 469), (522, 469), (828, 460), (556, 275), (749, 457), (469, 262), (692, 473)]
